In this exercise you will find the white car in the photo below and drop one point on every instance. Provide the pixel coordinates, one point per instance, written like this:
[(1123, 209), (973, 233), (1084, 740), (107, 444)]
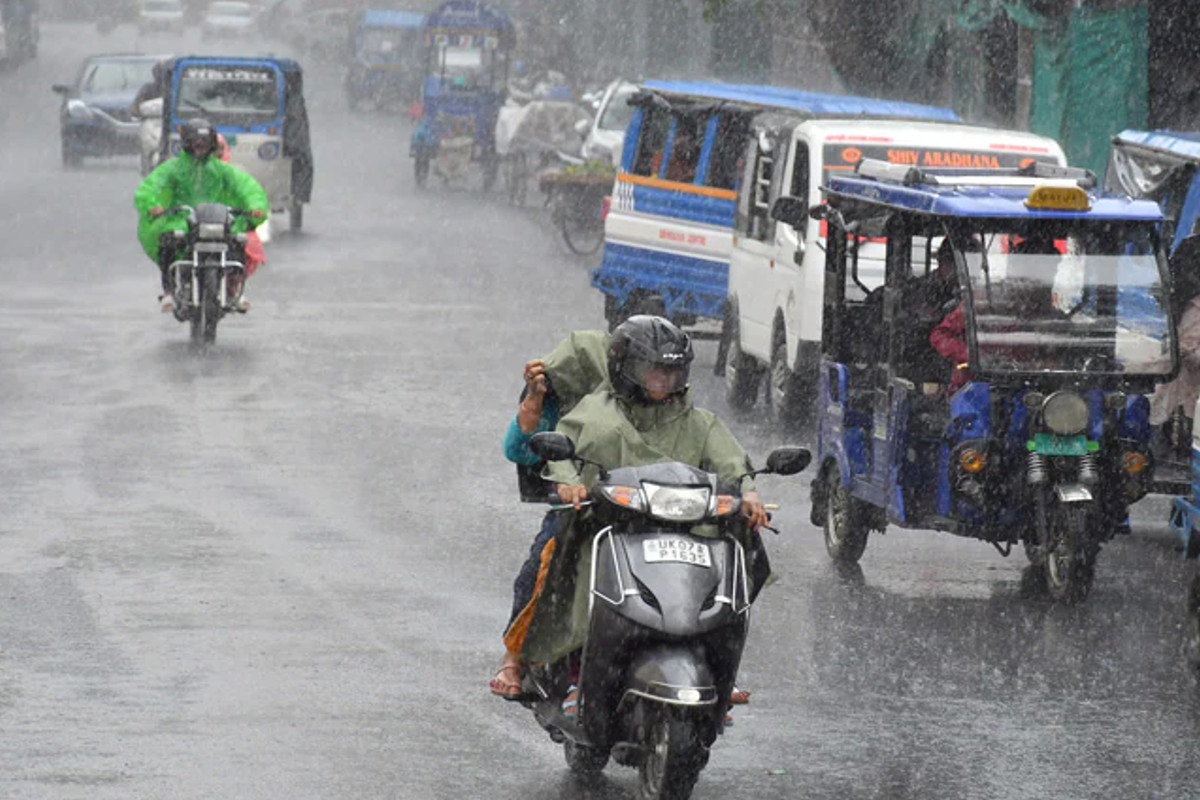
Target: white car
[(606, 136), (229, 19), (161, 15)]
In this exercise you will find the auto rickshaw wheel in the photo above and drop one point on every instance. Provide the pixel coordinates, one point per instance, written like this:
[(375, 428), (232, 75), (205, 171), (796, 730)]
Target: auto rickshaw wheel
[(1070, 565), (846, 527), (421, 166), (1191, 642), (296, 216)]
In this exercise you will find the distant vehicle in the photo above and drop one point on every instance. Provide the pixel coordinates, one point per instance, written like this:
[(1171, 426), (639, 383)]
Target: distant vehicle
[(606, 135), (320, 34), (386, 68), (95, 115), (161, 15), (18, 30), (228, 19)]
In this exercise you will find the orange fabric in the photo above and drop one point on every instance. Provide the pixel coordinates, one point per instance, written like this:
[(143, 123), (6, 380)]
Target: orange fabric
[(514, 637)]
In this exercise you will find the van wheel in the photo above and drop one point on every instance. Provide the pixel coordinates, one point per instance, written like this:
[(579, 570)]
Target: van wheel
[(846, 529), (742, 373)]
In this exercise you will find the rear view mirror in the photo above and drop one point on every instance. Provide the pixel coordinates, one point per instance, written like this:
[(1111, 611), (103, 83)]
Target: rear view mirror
[(788, 460), (791, 210), (551, 446)]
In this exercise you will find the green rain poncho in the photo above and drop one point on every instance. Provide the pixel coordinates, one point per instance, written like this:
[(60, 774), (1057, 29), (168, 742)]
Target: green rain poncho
[(614, 432), (186, 181)]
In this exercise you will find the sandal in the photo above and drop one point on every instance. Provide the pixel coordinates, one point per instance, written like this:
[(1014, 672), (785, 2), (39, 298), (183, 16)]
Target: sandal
[(570, 704), (507, 682), (739, 697)]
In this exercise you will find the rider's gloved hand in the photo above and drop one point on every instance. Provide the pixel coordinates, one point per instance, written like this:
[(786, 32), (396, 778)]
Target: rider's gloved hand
[(156, 211), (572, 493), (754, 511)]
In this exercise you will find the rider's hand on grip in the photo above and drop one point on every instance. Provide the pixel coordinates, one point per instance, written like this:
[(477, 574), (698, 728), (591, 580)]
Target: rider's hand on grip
[(754, 511), (572, 493)]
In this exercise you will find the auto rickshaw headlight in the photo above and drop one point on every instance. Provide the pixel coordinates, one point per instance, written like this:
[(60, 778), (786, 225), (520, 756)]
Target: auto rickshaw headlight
[(268, 151), (1134, 463), (1065, 413), (1115, 401), (972, 460)]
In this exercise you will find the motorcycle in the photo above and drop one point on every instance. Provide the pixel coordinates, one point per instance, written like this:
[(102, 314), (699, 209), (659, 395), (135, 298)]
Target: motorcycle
[(670, 592), (201, 283)]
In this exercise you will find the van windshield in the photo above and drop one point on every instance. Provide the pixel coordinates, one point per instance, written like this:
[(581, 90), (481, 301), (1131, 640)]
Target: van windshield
[(1072, 297)]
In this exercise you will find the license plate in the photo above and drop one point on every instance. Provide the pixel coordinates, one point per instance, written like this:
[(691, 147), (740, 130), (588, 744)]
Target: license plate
[(1050, 445), (683, 551)]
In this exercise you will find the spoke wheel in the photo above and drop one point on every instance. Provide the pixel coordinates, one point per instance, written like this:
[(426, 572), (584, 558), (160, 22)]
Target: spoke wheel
[(674, 758), (1071, 554), (846, 532), (584, 761)]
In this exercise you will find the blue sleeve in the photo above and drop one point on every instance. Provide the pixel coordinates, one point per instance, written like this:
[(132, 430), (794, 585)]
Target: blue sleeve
[(516, 442)]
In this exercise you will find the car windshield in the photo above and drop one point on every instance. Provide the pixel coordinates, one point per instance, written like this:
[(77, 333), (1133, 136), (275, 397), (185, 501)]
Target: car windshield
[(1068, 297), (228, 95), (229, 10), (618, 112), (105, 77), (462, 67)]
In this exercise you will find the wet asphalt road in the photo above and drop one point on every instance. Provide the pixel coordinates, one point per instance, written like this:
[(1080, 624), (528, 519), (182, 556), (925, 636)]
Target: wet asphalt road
[(280, 570)]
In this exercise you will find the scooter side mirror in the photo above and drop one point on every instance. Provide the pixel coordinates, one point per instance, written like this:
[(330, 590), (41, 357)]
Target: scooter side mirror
[(552, 446), (788, 460)]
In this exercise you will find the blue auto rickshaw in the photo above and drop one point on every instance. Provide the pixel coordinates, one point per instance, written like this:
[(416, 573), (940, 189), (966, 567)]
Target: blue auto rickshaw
[(386, 69), (1037, 432), (257, 104), (467, 48)]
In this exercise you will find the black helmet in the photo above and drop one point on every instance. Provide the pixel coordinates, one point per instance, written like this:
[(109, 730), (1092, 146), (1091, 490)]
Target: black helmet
[(195, 131), (642, 342)]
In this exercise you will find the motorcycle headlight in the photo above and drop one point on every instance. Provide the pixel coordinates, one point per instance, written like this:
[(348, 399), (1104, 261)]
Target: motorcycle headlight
[(268, 151), (211, 230), (677, 504), (1065, 413), (78, 109)]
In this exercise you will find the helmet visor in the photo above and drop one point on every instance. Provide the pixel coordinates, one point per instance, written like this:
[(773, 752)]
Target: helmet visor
[(659, 378)]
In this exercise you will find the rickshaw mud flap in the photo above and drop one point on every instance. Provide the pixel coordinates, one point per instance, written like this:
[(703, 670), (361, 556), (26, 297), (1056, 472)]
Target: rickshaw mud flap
[(1073, 493)]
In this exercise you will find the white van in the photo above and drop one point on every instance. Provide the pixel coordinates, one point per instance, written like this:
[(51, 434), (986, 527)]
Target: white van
[(773, 318)]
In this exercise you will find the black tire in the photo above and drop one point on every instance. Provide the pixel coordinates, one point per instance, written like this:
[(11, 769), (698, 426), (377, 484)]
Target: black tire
[(782, 388), (580, 234), (491, 171), (742, 373), (586, 762), (1070, 565), (674, 757), (846, 528), (71, 159), (296, 216), (1191, 628), (207, 313), (421, 167)]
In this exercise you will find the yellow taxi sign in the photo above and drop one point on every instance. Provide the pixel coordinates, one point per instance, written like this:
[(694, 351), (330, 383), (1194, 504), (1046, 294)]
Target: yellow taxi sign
[(1059, 198)]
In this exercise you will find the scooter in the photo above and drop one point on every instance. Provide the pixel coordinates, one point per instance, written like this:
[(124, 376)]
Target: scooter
[(670, 592)]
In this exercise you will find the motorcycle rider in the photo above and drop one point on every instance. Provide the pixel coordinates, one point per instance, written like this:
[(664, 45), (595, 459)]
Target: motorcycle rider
[(643, 415), (197, 175)]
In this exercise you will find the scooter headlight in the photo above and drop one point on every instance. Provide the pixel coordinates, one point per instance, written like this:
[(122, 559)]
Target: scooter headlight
[(677, 504), (1065, 413)]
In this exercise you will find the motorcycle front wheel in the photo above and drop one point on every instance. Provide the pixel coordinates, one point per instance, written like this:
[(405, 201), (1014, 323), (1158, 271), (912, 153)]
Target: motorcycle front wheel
[(674, 757), (208, 311), (1070, 565)]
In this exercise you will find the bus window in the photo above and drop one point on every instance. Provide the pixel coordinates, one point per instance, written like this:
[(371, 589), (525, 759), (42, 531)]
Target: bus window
[(725, 163), (652, 140)]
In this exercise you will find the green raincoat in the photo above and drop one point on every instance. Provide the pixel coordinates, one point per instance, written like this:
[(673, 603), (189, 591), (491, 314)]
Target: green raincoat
[(578, 366), (186, 181), (613, 432)]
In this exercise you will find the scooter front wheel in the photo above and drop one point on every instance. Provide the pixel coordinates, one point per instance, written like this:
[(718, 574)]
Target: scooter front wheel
[(584, 761), (674, 757)]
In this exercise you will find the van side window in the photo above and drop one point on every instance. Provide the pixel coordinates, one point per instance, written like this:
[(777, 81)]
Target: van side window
[(725, 165), (759, 188), (745, 177), (800, 168), (652, 140), (686, 144)]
